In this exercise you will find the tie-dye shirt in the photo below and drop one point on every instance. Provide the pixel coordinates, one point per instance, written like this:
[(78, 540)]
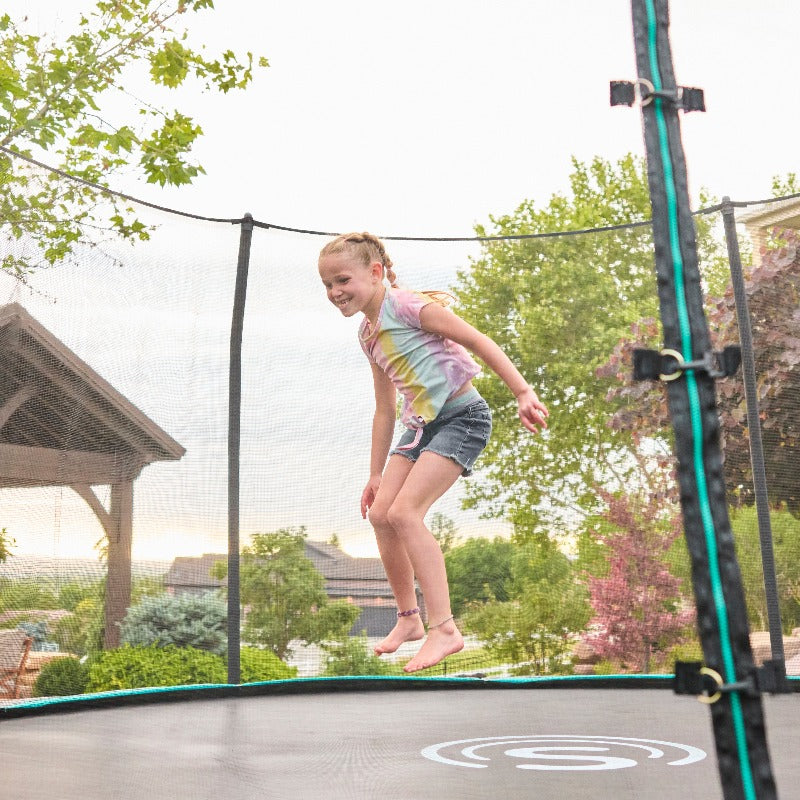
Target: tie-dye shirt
[(426, 368)]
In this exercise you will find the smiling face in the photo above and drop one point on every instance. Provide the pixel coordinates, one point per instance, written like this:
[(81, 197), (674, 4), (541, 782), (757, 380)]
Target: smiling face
[(352, 286)]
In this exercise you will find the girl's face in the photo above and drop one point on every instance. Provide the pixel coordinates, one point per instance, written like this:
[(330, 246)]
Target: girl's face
[(351, 285)]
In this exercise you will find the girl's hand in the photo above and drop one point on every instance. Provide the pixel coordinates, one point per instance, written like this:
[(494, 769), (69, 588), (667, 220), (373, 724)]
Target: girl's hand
[(532, 411), (368, 495)]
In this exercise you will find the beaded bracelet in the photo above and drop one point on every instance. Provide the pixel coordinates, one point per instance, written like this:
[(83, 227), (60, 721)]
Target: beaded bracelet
[(409, 613)]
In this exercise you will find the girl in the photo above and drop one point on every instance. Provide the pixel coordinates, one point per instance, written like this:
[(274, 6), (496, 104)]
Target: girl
[(419, 348)]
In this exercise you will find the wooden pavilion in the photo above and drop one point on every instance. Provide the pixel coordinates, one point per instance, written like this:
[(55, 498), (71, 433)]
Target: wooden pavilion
[(61, 424)]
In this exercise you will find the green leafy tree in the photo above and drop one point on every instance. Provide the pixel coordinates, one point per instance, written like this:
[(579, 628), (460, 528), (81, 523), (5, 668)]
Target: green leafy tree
[(478, 571), (558, 305), (285, 594), (785, 529), (60, 97), (536, 628), (444, 530)]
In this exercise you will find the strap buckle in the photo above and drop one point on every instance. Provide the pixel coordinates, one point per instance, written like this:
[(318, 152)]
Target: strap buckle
[(642, 91), (692, 677), (668, 365)]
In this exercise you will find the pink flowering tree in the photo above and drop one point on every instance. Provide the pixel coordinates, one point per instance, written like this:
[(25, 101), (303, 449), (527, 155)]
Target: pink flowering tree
[(639, 611)]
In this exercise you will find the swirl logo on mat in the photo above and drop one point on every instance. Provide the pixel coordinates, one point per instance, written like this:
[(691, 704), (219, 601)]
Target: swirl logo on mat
[(566, 753)]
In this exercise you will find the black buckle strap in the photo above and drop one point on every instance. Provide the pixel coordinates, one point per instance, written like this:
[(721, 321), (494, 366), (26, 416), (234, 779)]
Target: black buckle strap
[(626, 93), (691, 677), (668, 365)]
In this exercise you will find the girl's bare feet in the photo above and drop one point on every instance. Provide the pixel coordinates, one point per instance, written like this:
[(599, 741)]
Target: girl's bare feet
[(443, 640), (407, 629)]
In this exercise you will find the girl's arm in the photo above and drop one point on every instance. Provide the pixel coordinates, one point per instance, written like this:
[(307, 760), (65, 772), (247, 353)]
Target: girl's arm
[(382, 432), (436, 319)]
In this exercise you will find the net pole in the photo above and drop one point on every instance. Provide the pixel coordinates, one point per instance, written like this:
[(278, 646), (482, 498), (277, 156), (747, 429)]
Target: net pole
[(754, 430), (234, 447), (736, 710)]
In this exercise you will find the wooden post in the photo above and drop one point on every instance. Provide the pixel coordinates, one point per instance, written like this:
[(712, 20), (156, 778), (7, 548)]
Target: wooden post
[(120, 536)]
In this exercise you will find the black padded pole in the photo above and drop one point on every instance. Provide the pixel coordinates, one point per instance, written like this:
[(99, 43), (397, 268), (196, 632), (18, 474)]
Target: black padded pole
[(234, 426), (737, 714)]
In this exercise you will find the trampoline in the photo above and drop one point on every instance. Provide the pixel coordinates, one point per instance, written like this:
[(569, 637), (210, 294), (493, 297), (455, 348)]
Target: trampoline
[(399, 738), (374, 737)]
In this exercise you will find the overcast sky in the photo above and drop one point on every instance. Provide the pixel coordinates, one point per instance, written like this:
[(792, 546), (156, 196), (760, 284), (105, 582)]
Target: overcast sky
[(424, 118)]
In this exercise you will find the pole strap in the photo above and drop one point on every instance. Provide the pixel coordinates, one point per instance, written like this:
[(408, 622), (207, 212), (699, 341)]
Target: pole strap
[(642, 91), (669, 365)]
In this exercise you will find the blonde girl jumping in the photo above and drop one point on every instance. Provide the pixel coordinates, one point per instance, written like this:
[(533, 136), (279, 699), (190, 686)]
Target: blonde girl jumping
[(419, 348)]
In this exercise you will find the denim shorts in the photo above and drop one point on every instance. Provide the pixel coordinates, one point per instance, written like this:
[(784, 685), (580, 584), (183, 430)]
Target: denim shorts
[(460, 432)]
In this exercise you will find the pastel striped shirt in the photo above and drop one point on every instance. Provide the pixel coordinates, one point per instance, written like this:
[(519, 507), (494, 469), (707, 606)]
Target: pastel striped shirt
[(426, 368)]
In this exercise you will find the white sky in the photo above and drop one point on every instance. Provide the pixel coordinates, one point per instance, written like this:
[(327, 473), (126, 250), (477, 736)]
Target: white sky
[(424, 118)]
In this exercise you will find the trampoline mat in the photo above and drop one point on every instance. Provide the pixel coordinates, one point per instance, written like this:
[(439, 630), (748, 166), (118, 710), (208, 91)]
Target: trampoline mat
[(410, 745)]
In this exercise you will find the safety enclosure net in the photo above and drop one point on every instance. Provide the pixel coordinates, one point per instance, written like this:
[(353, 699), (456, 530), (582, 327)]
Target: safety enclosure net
[(564, 552)]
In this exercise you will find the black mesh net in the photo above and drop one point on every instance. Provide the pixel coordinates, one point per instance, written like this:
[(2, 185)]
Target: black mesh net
[(564, 551)]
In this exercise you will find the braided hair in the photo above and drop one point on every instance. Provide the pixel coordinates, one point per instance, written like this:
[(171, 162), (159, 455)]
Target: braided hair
[(367, 248)]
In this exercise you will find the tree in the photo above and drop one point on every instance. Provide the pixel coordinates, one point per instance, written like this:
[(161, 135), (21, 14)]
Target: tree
[(558, 305), (639, 611), (478, 571), (6, 543), (444, 530), (536, 628), (286, 594), (772, 291), (187, 620), (57, 97), (785, 529)]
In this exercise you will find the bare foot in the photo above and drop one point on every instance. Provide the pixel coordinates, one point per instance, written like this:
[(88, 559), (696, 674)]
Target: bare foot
[(442, 641), (407, 629)]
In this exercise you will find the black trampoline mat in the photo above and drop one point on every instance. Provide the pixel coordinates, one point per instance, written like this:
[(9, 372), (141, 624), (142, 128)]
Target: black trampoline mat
[(556, 744)]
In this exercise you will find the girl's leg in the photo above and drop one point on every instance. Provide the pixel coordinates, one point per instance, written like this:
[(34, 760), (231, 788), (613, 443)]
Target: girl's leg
[(430, 477), (393, 554)]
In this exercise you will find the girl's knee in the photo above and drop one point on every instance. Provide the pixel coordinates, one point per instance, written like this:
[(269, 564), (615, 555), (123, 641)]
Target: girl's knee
[(379, 517), (400, 515)]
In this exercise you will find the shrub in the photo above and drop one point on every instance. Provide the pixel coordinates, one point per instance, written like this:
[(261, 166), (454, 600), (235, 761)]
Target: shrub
[(198, 621), (74, 631), (352, 657), (60, 677), (263, 665), (135, 667)]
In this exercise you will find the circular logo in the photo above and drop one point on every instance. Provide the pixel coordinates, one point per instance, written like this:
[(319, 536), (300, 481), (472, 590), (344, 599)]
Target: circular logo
[(564, 753)]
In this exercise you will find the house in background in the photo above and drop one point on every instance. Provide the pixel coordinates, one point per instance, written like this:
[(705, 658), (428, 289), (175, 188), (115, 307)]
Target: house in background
[(360, 581), (762, 219)]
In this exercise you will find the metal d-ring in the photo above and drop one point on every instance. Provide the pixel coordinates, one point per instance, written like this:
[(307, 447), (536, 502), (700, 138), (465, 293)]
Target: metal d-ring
[(678, 372), (717, 678), (637, 90)]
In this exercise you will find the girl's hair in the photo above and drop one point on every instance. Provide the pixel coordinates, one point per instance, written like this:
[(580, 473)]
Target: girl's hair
[(367, 248)]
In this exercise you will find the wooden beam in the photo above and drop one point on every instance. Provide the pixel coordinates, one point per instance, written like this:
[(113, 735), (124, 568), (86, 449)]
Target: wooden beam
[(39, 466), (87, 493), (20, 397)]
